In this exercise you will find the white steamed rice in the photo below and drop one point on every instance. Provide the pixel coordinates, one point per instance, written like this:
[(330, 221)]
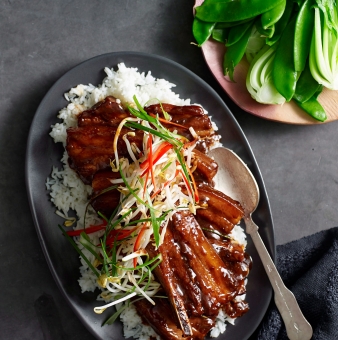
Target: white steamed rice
[(70, 195)]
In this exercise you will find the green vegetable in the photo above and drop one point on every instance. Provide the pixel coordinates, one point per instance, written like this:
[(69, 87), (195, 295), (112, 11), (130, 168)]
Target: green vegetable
[(306, 86), (281, 23), (269, 18), (72, 242), (237, 32), (202, 30), (299, 2), (324, 44), (304, 37), (228, 11), (283, 72), (266, 33), (231, 24), (235, 53), (255, 44), (259, 78), (303, 34), (220, 34), (313, 108), (86, 242)]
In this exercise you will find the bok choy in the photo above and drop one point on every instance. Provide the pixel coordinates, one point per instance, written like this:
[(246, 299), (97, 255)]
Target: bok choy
[(259, 81), (324, 44)]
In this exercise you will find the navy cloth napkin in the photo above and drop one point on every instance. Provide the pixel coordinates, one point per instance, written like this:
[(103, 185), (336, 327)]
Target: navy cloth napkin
[(309, 268)]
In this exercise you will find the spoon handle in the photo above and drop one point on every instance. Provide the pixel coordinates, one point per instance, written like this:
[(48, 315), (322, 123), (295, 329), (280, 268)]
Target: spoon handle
[(297, 327)]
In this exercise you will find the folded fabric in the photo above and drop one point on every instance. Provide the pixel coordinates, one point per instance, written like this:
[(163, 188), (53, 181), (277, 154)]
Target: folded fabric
[(309, 268)]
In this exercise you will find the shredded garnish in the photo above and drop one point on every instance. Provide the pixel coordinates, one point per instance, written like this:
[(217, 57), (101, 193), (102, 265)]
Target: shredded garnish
[(155, 182)]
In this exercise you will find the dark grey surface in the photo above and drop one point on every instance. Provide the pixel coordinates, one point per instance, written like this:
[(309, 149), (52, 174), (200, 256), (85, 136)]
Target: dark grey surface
[(62, 259), (40, 41)]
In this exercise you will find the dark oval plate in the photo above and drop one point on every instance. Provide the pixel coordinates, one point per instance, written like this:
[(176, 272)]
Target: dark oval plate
[(43, 153)]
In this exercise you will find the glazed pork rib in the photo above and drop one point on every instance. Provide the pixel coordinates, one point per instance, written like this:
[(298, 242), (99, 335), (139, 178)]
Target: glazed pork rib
[(223, 212), (185, 116), (90, 144), (164, 321), (90, 148), (195, 278), (202, 270), (106, 112)]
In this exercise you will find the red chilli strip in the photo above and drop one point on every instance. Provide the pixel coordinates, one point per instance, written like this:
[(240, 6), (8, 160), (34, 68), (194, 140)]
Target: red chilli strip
[(151, 161), (159, 190), (160, 151), (188, 185), (186, 182), (189, 144), (89, 230), (138, 240), (118, 235), (194, 185)]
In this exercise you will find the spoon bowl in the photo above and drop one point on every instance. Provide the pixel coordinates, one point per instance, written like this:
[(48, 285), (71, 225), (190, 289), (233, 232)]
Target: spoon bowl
[(236, 180)]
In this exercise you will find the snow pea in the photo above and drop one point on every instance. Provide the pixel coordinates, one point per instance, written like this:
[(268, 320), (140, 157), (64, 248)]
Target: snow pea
[(235, 53), (202, 30), (220, 34), (231, 24), (281, 23), (283, 73), (228, 11), (303, 34), (269, 18), (306, 86), (299, 2), (313, 108), (268, 33), (237, 32)]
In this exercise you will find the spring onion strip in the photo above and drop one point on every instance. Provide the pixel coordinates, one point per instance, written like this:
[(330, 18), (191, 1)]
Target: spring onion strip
[(166, 167), (130, 189), (104, 242), (105, 258), (71, 241), (114, 317), (169, 138), (119, 310), (184, 168), (165, 113), (85, 241)]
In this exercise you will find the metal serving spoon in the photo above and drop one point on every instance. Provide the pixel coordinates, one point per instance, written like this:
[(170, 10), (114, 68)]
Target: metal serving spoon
[(243, 187)]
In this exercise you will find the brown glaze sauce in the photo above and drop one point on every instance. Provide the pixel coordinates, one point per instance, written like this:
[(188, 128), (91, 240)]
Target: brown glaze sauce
[(202, 270)]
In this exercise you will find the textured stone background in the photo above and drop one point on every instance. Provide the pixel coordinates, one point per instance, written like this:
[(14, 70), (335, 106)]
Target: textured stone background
[(40, 41)]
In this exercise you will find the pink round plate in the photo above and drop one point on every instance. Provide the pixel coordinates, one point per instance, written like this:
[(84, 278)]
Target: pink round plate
[(289, 113)]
